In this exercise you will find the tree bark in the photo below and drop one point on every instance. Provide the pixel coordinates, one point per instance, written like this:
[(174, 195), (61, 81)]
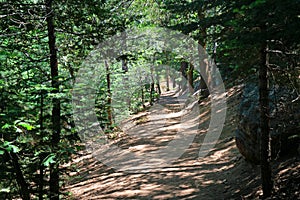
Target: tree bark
[(41, 167), (168, 77), (24, 191), (190, 78), (265, 123), (41, 178), (183, 70), (157, 81), (54, 168), (173, 77), (109, 100), (124, 61), (167, 70), (204, 68), (143, 96), (152, 86)]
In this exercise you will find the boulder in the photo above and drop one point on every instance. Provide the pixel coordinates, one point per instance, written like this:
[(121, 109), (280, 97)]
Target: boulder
[(284, 122)]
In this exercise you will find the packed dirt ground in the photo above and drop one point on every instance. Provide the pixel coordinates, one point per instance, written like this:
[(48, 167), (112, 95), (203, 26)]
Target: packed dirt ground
[(222, 174)]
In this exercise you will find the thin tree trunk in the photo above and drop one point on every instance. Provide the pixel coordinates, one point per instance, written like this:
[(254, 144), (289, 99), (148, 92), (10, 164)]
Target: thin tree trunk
[(173, 81), (190, 78), (41, 168), (124, 58), (167, 70), (167, 78), (124, 61), (143, 96), (152, 86), (152, 93), (109, 100), (204, 68), (265, 123), (125, 80), (157, 81), (24, 191), (54, 168), (183, 70), (41, 178)]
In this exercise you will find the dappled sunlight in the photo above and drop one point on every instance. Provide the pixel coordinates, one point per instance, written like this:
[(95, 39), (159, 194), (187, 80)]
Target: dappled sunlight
[(188, 177)]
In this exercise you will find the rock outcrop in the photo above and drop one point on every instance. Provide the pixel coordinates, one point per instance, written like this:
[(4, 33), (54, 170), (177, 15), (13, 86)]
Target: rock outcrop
[(284, 122)]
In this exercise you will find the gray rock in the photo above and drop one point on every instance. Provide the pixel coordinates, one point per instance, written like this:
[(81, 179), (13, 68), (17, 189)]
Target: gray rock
[(284, 122)]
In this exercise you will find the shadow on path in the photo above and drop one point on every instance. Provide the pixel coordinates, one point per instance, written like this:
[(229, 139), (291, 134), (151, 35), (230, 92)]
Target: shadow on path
[(222, 174)]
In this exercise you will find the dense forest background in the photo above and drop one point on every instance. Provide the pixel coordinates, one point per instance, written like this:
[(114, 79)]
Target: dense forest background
[(43, 44)]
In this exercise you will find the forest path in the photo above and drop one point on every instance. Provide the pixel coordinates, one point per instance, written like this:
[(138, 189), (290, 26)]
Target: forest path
[(219, 175)]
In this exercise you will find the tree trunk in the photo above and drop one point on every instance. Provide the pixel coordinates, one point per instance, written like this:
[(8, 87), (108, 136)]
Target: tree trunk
[(173, 77), (183, 70), (41, 167), (124, 61), (190, 78), (157, 81), (109, 100), (204, 68), (24, 191), (152, 93), (213, 66), (152, 86), (124, 66), (168, 77), (54, 168), (265, 123), (124, 58), (143, 96), (41, 178)]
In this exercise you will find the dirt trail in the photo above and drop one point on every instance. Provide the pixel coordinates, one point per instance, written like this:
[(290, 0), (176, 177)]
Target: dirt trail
[(222, 174)]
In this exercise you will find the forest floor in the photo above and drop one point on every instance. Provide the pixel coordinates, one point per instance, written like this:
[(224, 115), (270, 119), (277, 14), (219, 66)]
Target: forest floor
[(222, 174)]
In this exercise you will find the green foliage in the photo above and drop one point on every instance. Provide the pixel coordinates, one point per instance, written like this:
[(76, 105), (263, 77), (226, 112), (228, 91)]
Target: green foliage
[(49, 160), (9, 147), (231, 31)]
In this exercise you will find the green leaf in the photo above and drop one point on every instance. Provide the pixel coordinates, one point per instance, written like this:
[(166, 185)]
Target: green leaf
[(26, 126), (49, 160), (257, 3), (10, 147), (6, 126), (6, 190), (236, 10), (2, 152), (18, 130)]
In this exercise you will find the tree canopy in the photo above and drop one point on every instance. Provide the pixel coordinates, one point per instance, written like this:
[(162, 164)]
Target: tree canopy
[(43, 45)]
